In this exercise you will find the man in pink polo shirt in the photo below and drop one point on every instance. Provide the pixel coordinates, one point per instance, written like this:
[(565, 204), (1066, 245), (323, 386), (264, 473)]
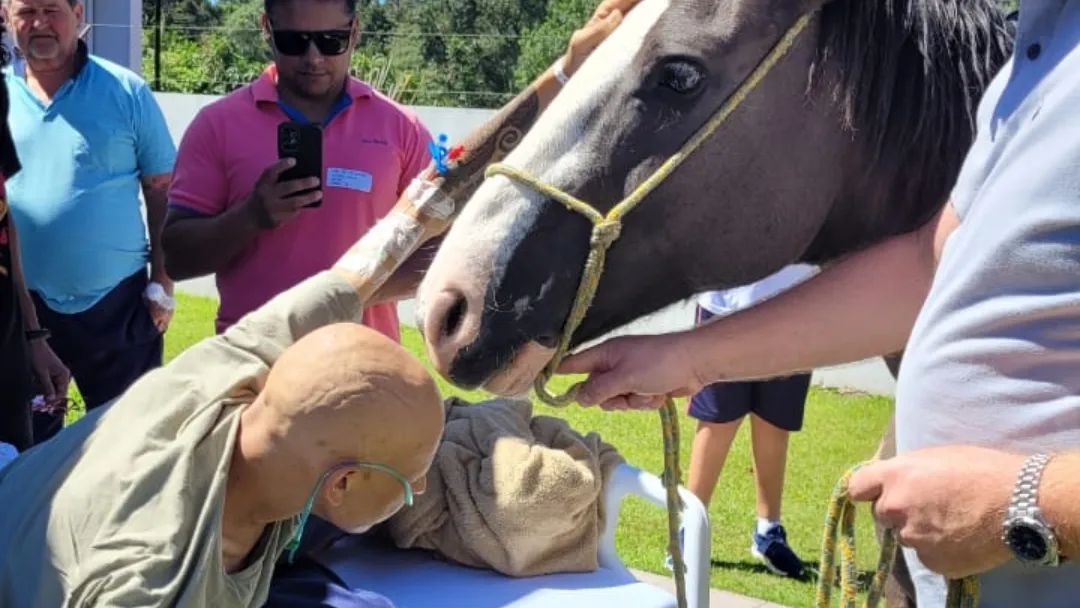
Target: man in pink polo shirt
[(229, 215)]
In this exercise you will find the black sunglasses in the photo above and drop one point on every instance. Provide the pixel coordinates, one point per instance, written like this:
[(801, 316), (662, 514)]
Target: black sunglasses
[(297, 42)]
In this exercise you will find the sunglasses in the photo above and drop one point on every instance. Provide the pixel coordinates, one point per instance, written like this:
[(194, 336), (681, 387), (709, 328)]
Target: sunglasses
[(297, 42)]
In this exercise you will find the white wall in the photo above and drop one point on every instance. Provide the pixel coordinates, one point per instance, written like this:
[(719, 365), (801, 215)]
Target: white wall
[(180, 110), (869, 376)]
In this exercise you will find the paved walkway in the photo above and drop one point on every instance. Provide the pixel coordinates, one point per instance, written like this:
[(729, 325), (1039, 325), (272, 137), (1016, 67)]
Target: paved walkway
[(717, 598)]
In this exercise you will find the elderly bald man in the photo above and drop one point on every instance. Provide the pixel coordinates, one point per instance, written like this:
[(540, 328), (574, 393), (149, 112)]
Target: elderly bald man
[(295, 410)]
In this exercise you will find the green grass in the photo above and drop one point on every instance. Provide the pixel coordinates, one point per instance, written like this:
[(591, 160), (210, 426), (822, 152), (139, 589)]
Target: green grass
[(840, 430)]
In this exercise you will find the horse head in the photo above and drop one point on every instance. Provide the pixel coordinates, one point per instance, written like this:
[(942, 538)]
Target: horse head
[(854, 136)]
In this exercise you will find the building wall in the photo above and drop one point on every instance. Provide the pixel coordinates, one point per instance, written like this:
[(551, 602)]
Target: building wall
[(116, 31)]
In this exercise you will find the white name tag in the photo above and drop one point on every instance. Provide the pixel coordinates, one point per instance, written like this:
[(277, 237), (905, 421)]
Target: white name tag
[(349, 179)]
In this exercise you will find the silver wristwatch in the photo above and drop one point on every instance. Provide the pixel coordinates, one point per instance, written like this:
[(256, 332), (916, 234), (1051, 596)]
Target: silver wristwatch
[(1025, 532)]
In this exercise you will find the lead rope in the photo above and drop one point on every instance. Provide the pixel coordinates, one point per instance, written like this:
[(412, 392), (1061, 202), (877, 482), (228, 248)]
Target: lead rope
[(606, 230), (840, 535)]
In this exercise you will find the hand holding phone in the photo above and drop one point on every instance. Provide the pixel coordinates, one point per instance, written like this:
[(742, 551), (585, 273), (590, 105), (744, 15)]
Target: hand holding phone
[(274, 202), (303, 144)]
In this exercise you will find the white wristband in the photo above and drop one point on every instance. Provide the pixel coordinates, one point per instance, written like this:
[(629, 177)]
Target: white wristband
[(156, 294), (559, 69)]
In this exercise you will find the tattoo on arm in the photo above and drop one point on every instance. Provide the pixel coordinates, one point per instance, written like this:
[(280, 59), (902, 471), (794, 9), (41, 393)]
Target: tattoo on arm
[(489, 144), (157, 183)]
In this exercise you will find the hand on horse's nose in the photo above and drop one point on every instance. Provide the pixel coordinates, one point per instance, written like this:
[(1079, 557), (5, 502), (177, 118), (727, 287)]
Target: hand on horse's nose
[(451, 322)]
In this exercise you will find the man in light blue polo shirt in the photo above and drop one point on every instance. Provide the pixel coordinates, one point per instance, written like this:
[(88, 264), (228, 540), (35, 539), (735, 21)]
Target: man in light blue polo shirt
[(89, 134)]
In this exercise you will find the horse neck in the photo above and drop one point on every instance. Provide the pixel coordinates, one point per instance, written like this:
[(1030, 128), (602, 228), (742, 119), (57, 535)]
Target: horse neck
[(878, 206)]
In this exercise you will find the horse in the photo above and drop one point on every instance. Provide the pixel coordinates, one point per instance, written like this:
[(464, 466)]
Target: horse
[(856, 135)]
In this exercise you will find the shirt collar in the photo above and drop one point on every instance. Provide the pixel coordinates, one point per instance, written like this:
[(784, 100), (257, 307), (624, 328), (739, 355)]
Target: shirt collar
[(264, 89)]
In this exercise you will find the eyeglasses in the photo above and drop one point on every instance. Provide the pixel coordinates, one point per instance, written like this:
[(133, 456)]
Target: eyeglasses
[(296, 42)]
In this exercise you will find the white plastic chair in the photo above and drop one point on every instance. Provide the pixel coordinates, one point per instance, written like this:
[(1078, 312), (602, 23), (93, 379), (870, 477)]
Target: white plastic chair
[(415, 579)]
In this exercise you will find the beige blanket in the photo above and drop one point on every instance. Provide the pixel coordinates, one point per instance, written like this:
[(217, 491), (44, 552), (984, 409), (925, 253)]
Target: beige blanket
[(517, 494)]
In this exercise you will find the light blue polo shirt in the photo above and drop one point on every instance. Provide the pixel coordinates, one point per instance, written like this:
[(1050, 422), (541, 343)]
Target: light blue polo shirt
[(76, 201), (994, 357)]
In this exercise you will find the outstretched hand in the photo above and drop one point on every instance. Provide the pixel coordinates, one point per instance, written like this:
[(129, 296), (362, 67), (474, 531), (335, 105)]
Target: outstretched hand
[(604, 20)]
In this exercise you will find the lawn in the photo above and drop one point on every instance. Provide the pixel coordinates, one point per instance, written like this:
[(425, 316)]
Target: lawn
[(840, 430)]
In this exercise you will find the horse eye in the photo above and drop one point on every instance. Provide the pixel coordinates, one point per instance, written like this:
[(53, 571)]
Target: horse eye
[(682, 76)]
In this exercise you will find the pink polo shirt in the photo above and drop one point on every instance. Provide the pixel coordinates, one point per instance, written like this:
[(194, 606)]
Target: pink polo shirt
[(232, 141)]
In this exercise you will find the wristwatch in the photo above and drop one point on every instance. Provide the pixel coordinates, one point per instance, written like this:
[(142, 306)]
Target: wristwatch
[(1026, 532)]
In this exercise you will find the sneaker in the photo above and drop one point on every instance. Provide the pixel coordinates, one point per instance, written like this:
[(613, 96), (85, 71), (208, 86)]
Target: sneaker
[(773, 550), (669, 563)]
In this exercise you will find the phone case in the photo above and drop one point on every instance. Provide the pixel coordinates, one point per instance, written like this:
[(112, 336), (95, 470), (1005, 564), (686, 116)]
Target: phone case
[(303, 143)]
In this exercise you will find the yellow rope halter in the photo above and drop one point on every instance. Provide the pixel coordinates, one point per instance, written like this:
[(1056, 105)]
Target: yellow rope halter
[(606, 230)]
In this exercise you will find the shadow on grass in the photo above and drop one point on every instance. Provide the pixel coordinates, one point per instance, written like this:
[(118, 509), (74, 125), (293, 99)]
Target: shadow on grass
[(810, 572)]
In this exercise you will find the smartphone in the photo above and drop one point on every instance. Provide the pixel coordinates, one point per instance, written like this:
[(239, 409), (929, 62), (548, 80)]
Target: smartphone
[(303, 143)]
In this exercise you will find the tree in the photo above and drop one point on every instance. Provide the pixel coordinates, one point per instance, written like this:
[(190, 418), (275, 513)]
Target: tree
[(182, 14), (467, 49), (544, 43), (444, 52)]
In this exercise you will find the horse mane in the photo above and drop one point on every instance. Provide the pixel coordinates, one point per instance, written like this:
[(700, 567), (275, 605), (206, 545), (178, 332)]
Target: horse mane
[(910, 74)]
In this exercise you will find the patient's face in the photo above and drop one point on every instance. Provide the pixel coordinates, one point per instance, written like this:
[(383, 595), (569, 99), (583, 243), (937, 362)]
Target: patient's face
[(367, 497)]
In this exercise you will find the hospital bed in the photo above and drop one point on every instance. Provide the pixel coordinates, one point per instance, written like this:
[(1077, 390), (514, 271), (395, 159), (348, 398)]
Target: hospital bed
[(416, 579)]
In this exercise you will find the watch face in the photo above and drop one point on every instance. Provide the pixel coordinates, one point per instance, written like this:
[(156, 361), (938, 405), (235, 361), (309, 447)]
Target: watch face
[(1027, 543)]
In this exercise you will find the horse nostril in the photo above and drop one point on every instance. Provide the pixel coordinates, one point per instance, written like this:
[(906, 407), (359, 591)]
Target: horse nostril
[(454, 316)]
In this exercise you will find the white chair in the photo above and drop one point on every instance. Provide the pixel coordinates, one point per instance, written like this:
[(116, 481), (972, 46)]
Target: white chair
[(415, 579)]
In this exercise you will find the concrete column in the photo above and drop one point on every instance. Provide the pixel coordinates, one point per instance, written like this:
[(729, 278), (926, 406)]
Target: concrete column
[(116, 31)]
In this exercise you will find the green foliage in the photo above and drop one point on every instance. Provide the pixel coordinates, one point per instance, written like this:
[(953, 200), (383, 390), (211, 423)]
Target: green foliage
[(473, 53), (435, 52), (543, 44)]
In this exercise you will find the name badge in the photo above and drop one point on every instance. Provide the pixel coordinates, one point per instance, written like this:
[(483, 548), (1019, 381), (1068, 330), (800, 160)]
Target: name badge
[(348, 179)]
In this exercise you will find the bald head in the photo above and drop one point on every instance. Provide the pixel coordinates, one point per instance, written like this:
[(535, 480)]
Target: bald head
[(348, 392), (340, 399)]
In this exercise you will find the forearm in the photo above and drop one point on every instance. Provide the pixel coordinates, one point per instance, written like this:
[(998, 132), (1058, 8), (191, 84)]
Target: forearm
[(1057, 499), (404, 282), (488, 144), (155, 193), (195, 246), (860, 307), (547, 86), (26, 303)]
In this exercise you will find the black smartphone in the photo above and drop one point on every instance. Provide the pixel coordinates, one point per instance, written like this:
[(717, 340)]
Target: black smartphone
[(303, 143)]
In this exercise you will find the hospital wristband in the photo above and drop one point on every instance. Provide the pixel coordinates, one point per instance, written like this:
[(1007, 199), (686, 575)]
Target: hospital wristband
[(559, 69)]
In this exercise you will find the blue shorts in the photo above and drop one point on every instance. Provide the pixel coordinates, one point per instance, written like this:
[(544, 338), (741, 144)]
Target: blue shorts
[(781, 402)]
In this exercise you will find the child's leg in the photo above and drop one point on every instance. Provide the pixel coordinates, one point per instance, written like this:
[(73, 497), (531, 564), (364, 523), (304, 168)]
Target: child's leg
[(712, 442), (770, 444), (718, 408), (777, 412)]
